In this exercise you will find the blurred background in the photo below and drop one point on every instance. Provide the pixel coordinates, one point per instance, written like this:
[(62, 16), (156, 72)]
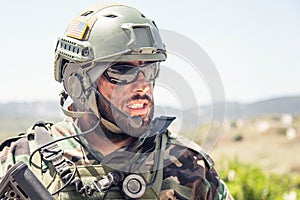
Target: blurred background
[(254, 45)]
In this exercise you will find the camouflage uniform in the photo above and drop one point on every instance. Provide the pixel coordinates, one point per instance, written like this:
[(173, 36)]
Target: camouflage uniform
[(188, 172)]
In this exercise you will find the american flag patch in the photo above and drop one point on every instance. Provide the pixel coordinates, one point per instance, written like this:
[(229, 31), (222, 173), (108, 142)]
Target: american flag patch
[(76, 29)]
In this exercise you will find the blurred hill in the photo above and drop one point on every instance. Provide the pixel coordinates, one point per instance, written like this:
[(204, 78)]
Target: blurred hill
[(48, 109), (275, 106), (16, 117), (235, 111)]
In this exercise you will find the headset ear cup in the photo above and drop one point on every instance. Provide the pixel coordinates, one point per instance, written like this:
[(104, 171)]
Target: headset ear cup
[(74, 86), (69, 69), (72, 81)]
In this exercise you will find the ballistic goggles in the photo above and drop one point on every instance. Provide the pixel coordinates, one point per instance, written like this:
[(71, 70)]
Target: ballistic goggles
[(123, 74)]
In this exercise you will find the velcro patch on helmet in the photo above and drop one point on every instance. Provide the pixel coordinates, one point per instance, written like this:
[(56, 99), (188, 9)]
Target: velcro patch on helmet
[(76, 29)]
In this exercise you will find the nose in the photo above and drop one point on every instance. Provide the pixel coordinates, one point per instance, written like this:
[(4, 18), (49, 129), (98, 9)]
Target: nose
[(141, 85)]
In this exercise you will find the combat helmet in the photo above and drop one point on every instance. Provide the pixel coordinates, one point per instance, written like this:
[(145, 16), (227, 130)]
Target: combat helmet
[(100, 35)]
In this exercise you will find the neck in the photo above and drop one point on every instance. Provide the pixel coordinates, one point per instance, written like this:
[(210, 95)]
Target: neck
[(106, 142), (116, 138)]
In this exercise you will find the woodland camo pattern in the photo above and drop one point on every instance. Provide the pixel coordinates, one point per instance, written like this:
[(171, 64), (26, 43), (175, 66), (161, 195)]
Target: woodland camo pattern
[(184, 165)]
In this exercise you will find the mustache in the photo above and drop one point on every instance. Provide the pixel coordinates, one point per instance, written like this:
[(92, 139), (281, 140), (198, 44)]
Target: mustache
[(140, 97)]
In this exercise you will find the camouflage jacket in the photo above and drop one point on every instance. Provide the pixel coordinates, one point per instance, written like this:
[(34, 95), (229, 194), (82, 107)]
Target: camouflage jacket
[(188, 172)]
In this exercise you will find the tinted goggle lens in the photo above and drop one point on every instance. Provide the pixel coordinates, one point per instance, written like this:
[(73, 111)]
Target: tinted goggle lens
[(124, 73)]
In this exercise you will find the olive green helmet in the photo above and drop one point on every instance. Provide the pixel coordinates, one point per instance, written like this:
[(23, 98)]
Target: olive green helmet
[(109, 32), (101, 34)]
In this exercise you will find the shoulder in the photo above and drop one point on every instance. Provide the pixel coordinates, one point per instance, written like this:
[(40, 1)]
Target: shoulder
[(14, 145), (12, 150), (17, 148), (8, 142), (182, 144), (63, 129), (187, 164)]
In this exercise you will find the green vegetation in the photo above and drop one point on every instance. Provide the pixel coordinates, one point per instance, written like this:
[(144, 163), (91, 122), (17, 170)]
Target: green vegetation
[(12, 126), (249, 182)]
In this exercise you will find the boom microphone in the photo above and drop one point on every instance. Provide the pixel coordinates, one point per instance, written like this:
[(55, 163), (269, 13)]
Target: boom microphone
[(134, 121)]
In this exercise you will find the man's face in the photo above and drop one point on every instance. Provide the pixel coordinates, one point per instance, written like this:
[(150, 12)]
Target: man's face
[(133, 99)]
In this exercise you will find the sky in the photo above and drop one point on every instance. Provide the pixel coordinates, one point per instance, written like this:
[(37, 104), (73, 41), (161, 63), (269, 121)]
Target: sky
[(254, 45)]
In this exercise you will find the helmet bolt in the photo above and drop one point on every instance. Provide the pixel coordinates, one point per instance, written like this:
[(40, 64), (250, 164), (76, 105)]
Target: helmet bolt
[(85, 52)]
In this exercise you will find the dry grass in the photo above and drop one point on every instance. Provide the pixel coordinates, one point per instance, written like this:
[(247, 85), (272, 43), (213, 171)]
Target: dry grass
[(270, 150)]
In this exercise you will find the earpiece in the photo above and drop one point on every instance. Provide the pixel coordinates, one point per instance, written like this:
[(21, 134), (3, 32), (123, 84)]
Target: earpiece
[(73, 85)]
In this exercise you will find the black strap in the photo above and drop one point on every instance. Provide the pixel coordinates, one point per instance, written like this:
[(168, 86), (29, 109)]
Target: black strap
[(52, 153)]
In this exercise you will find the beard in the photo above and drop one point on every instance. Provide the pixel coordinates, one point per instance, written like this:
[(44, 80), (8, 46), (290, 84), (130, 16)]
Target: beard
[(122, 121)]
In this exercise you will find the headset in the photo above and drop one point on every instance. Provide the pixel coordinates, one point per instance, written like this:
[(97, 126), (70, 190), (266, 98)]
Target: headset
[(79, 87)]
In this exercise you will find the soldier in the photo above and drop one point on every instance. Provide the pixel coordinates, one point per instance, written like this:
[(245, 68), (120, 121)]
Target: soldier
[(109, 146)]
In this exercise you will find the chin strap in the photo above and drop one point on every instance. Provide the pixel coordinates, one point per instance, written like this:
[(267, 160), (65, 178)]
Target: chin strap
[(76, 114), (111, 126), (63, 97)]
